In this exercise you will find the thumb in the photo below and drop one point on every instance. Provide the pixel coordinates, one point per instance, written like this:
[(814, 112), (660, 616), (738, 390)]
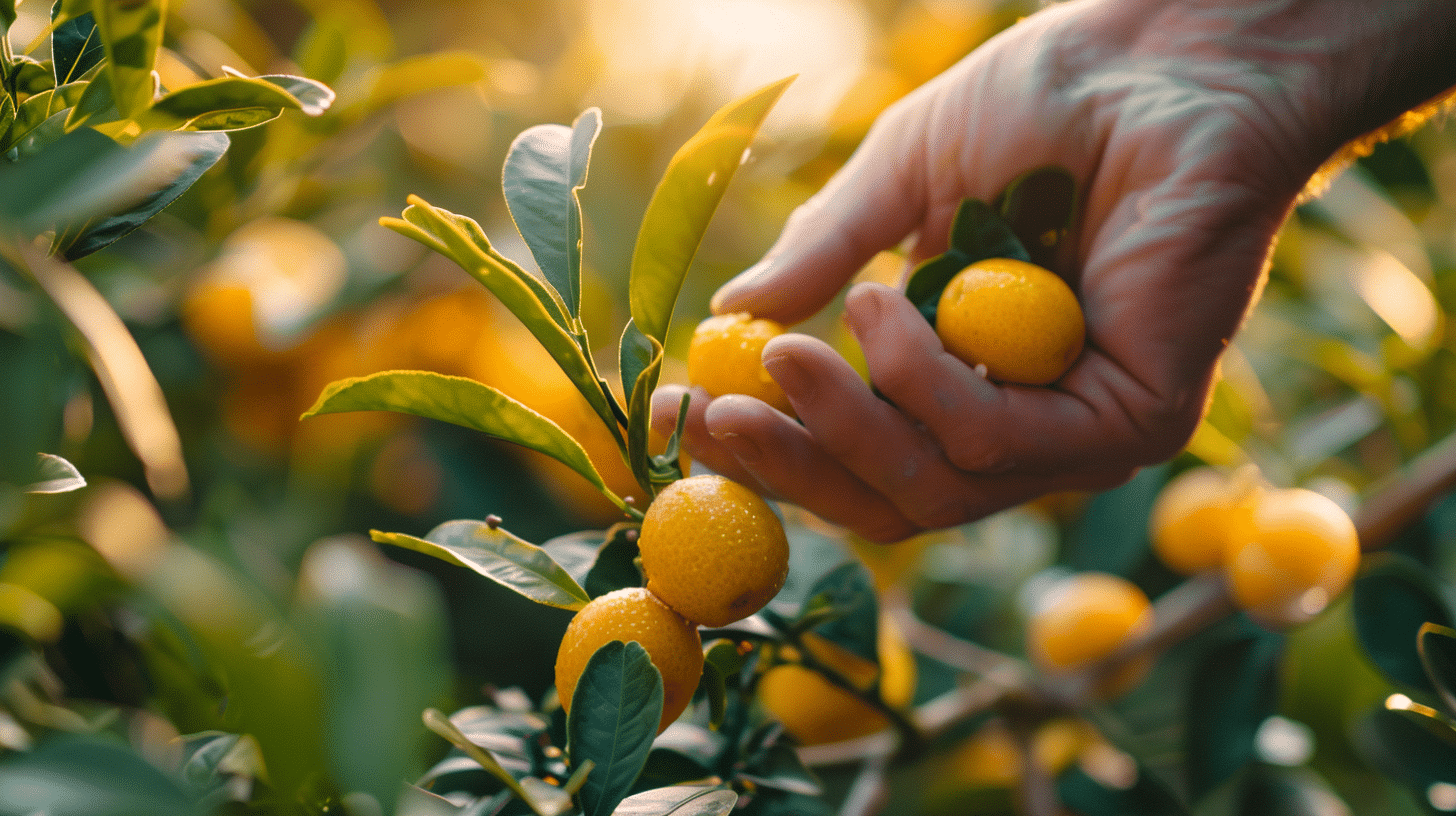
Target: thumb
[(872, 203)]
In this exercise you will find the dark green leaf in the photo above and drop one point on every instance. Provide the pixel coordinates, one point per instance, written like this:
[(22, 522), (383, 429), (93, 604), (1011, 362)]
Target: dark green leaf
[(679, 800), (55, 475), (1273, 791), (97, 105), (132, 33), (1088, 797), (682, 205), (778, 766), (499, 556), (1112, 534), (721, 663), (615, 711), (544, 173), (615, 565), (1436, 645), (635, 352), (40, 108), (638, 425), (7, 16), (1412, 745), (976, 233), (31, 76), (1393, 597), (846, 594), (1040, 206), (1233, 690), (83, 775), (463, 402), (76, 48), (225, 103), (7, 116), (195, 154)]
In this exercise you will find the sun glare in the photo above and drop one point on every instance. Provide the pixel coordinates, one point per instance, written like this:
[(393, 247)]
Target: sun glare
[(655, 51)]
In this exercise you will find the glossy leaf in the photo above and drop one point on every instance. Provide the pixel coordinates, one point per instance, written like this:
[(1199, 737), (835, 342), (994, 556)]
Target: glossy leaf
[(679, 800), (192, 154), (1234, 689), (847, 594), (778, 766), (677, 216), (543, 799), (615, 565), (36, 110), (1393, 598), (314, 98), (977, 232), (96, 105), (225, 103), (31, 76), (615, 711), (55, 475), (545, 170), (7, 16), (639, 425), (465, 402), (1436, 645), (721, 662), (536, 305), (493, 552), (7, 117), (1040, 207), (132, 33), (84, 775), (76, 48), (1412, 745)]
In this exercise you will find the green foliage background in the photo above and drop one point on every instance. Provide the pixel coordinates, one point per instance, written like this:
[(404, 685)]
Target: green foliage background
[(214, 631)]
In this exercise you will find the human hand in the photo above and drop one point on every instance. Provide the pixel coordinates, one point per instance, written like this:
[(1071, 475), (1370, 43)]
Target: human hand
[(1191, 130)]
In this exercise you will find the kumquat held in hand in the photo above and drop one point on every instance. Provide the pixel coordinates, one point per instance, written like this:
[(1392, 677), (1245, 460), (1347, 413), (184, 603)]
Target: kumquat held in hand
[(1019, 320), (725, 356), (713, 550)]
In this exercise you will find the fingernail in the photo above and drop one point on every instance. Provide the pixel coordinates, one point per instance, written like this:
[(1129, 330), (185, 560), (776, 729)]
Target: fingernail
[(724, 299), (742, 447), (789, 373), (863, 313)]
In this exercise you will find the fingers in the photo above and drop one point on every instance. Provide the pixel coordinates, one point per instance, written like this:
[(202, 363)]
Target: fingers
[(1097, 417), (872, 203)]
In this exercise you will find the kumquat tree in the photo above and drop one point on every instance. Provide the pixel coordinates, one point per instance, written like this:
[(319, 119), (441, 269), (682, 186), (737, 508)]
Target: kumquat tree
[(330, 482)]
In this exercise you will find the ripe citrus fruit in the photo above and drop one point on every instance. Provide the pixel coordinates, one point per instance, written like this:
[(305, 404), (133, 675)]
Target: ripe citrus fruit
[(725, 356), (1297, 551), (1196, 514), (627, 615), (1019, 320), (816, 711), (712, 549), (1084, 618)]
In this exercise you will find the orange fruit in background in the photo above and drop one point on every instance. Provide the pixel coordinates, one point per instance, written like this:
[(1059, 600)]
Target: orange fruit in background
[(1084, 618), (725, 356), (816, 711), (1196, 514), (713, 549), (634, 614), (1296, 552), (1019, 320)]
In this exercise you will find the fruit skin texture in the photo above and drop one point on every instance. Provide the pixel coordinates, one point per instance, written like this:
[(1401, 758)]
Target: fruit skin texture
[(1085, 618), (1018, 319), (1297, 551), (1196, 515), (725, 356), (631, 614), (815, 711), (713, 550)]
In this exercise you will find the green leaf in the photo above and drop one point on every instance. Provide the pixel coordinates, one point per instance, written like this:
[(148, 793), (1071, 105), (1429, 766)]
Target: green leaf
[(1273, 791), (421, 74), (38, 109), (55, 475), (132, 34), (1233, 690), (31, 76), (544, 799), (97, 104), (225, 103), (76, 48), (1436, 645), (465, 402), (1112, 533), (778, 766), (85, 775), (538, 307), (193, 154), (313, 97), (7, 117), (976, 233), (1393, 597), (846, 595), (1413, 745), (682, 205), (544, 173), (679, 800), (615, 710), (1040, 207), (1145, 797), (638, 422), (615, 566), (491, 551), (7, 16)]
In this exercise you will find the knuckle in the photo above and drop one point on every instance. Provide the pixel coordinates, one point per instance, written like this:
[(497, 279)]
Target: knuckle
[(975, 453)]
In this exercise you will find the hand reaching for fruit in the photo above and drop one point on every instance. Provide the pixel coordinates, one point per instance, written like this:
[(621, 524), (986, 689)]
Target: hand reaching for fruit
[(1190, 137)]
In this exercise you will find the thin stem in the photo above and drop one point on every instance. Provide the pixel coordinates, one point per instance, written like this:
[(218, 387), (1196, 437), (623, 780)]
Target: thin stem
[(1402, 499)]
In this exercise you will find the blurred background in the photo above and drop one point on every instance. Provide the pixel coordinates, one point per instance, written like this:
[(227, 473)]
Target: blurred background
[(271, 278)]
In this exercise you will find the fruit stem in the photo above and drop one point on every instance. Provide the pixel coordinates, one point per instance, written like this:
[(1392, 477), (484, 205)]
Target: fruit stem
[(912, 742)]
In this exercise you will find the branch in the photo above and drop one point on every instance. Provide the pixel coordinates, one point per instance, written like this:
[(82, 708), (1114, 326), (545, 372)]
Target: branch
[(1401, 499)]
